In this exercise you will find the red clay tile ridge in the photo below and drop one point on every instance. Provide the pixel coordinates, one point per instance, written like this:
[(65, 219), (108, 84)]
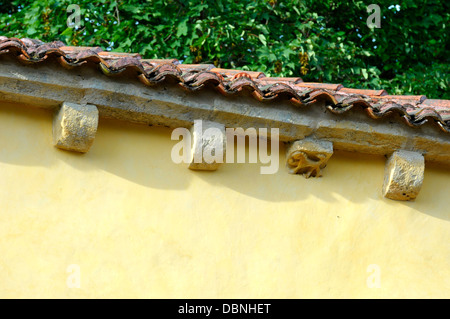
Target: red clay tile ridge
[(415, 110)]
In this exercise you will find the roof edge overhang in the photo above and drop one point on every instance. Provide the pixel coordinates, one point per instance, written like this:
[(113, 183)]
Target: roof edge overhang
[(47, 86)]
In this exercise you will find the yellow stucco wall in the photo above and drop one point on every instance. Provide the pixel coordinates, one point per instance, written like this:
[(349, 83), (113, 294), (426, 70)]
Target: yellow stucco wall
[(138, 225)]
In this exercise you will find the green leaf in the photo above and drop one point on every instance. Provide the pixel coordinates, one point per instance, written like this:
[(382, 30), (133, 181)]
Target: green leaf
[(31, 31), (262, 38), (364, 73), (182, 28), (68, 32)]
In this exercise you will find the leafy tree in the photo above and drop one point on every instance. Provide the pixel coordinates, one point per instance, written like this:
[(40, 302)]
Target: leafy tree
[(321, 41)]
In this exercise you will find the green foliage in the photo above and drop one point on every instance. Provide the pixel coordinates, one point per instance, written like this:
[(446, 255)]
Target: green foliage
[(321, 41)]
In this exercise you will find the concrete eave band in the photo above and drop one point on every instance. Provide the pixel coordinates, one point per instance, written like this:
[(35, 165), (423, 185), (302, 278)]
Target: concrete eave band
[(48, 86)]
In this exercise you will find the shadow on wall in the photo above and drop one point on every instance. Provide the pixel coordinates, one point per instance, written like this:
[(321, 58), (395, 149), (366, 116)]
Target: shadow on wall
[(141, 155)]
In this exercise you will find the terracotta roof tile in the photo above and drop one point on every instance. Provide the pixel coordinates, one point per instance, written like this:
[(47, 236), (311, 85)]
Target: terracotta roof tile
[(118, 55), (324, 86), (437, 103), (271, 80), (415, 110), (294, 80), (230, 73), (409, 98), (159, 61), (72, 49), (364, 92), (195, 67)]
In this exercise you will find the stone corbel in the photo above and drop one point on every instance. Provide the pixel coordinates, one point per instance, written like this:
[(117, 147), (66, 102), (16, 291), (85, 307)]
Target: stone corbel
[(74, 127), (308, 157), (208, 146), (403, 175)]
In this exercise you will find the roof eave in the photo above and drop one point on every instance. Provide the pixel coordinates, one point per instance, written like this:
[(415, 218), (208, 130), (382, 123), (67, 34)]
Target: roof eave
[(48, 86)]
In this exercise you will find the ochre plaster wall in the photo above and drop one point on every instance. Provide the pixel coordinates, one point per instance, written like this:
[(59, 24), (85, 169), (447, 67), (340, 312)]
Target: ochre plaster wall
[(138, 225)]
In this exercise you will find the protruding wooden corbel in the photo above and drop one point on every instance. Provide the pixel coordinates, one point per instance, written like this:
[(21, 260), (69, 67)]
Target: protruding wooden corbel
[(74, 127), (308, 157), (403, 175)]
